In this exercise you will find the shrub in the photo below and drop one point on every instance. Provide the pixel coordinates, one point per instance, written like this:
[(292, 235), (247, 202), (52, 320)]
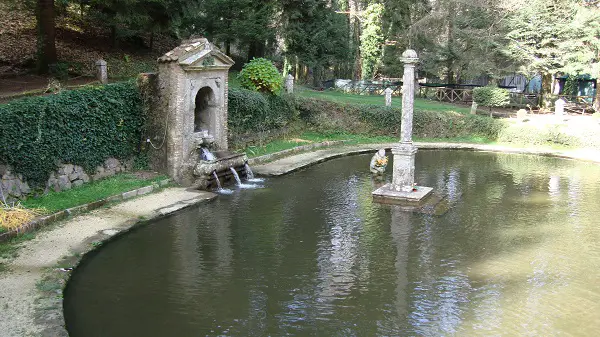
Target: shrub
[(261, 75), (250, 111), (491, 97), (81, 127)]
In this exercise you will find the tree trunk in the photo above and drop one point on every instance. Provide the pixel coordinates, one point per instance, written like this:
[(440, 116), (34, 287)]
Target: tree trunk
[(113, 36), (546, 91), (450, 44), (354, 8), (318, 76), (596, 104), (46, 35), (228, 47), (256, 49)]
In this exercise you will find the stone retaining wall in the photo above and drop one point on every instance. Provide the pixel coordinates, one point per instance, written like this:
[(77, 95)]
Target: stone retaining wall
[(13, 186)]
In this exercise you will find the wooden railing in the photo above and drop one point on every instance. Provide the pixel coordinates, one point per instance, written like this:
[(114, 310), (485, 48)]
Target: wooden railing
[(522, 100), (443, 94), (452, 95)]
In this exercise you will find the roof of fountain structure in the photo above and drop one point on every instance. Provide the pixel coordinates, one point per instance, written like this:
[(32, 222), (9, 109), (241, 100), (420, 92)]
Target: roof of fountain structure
[(197, 52)]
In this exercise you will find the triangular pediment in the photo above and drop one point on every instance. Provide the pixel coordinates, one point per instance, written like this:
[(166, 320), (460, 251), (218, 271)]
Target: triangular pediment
[(207, 58), (198, 53)]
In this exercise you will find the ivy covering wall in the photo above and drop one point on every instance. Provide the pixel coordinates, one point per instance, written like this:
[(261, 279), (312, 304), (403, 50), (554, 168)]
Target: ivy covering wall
[(81, 127)]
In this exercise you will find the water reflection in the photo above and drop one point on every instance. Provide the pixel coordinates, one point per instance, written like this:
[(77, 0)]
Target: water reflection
[(311, 254)]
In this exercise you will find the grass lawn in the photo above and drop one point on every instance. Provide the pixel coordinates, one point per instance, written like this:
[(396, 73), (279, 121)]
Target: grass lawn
[(56, 201), (340, 97)]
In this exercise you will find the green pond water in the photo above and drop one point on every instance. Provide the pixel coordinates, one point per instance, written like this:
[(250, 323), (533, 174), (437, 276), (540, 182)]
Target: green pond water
[(310, 254)]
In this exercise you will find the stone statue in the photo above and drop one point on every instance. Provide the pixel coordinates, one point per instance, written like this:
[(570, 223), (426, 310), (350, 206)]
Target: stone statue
[(378, 162)]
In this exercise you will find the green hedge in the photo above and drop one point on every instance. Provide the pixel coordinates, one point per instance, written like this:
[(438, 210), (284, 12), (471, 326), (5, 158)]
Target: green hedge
[(250, 111), (327, 116), (82, 127)]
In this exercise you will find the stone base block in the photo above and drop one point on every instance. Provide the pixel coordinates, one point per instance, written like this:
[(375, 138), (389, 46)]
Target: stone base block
[(387, 195)]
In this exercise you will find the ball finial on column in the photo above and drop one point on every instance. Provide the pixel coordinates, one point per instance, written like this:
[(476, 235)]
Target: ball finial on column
[(409, 56)]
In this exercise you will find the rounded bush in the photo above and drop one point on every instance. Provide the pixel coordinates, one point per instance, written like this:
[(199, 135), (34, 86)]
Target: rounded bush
[(491, 96), (261, 75)]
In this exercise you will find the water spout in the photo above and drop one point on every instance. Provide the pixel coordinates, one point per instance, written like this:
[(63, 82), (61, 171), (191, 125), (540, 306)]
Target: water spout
[(249, 173), (207, 155), (217, 180), (236, 175)]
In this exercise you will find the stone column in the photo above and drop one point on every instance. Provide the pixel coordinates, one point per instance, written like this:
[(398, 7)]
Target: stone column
[(289, 84), (404, 152), (388, 96), (101, 72)]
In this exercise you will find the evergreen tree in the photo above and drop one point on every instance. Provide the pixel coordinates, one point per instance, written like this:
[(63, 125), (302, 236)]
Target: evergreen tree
[(581, 45), (535, 36), (314, 35)]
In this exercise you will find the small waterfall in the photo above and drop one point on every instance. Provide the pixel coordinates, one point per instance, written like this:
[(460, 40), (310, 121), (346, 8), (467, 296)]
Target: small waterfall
[(236, 175), (217, 180), (249, 173), (207, 155)]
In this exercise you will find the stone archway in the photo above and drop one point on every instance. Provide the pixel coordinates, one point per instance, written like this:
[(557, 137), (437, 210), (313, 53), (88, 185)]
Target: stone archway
[(204, 111)]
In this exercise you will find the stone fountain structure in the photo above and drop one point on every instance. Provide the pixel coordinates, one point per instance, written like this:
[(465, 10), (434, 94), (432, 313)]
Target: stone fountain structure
[(189, 116), (402, 189)]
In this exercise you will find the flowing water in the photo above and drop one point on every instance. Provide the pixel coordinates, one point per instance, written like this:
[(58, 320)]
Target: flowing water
[(518, 254), (217, 180), (207, 155), (242, 185), (236, 176), (249, 173)]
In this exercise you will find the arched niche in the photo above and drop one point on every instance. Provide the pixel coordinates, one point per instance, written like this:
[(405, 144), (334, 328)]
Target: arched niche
[(204, 111)]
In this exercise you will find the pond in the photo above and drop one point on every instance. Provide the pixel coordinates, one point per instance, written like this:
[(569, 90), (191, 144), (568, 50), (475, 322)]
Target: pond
[(518, 253)]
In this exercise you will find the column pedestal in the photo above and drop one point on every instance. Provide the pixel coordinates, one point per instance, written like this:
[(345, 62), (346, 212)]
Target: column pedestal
[(402, 189)]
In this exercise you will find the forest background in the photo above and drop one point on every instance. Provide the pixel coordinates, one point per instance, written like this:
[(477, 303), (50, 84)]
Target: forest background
[(314, 39)]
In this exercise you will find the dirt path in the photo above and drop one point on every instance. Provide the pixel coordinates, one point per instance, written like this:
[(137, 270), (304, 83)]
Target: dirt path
[(24, 309)]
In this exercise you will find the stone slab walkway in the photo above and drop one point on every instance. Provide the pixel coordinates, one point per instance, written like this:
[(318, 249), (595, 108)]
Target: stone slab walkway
[(300, 161), (23, 309)]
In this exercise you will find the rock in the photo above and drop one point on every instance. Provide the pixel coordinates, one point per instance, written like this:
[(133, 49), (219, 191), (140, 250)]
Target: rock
[(8, 176), (51, 180), (24, 187), (128, 165), (65, 169), (10, 188), (78, 169), (73, 176), (100, 169), (3, 169), (77, 183), (84, 177), (111, 164), (64, 183)]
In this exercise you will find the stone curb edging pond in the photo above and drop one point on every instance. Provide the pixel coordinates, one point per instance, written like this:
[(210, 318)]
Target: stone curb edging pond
[(44, 220), (298, 149)]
